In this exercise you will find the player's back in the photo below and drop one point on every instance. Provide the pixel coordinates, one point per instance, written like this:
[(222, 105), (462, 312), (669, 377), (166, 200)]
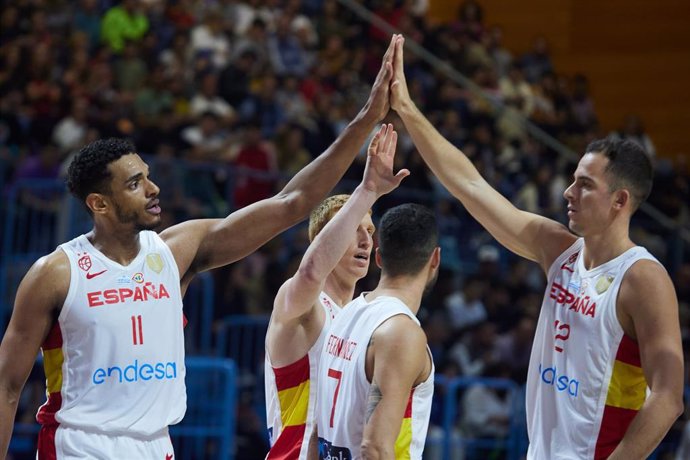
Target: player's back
[(344, 388)]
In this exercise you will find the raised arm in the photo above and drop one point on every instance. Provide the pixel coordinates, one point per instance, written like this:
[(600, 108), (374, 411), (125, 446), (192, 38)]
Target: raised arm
[(298, 295), (528, 235), (204, 244), (40, 294), (648, 309), (400, 362)]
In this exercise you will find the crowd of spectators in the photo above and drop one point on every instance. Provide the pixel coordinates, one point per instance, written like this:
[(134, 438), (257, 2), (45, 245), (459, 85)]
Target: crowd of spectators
[(212, 89)]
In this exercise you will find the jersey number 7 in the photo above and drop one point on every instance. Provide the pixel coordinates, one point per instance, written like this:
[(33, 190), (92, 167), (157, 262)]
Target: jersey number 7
[(338, 375)]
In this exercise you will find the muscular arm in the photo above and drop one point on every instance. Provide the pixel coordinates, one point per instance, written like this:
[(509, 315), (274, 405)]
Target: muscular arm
[(648, 310), (40, 295), (529, 235), (297, 296), (393, 379), (205, 244)]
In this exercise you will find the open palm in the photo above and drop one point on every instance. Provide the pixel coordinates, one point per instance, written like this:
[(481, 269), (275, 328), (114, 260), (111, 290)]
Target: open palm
[(378, 173)]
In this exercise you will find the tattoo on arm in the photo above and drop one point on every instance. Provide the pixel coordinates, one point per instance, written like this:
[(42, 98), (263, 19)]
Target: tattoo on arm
[(373, 400)]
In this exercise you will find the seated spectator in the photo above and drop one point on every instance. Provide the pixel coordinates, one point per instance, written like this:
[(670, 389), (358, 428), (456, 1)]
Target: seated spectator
[(122, 23), (286, 53), (70, 132), (207, 99), (633, 129), (476, 350), (486, 413)]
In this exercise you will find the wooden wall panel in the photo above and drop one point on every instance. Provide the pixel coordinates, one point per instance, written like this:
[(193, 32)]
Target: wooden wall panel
[(636, 54)]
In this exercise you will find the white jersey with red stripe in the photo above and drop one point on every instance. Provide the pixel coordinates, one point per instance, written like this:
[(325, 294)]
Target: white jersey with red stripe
[(291, 396), (585, 383), (114, 360), (343, 387)]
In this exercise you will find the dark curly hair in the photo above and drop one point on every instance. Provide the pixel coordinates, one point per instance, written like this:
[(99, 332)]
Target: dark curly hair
[(89, 173)]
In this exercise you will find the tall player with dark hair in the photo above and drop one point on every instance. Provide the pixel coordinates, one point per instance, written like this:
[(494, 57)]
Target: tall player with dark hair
[(606, 370), (376, 374), (106, 307), (306, 304)]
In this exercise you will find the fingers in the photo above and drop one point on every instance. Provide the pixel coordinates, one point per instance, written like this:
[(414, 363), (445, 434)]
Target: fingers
[(373, 145), (391, 141), (386, 64), (398, 58), (403, 173)]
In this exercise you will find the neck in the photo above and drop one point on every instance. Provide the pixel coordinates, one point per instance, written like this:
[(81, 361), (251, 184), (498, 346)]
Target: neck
[(340, 290), (602, 247), (119, 246), (409, 289)]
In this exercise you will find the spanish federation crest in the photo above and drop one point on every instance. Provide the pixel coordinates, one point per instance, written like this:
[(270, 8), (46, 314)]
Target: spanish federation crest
[(154, 262), (603, 283)]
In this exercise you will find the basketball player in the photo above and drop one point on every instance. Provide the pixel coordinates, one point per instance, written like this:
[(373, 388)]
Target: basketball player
[(376, 375), (305, 305), (106, 307), (606, 370)]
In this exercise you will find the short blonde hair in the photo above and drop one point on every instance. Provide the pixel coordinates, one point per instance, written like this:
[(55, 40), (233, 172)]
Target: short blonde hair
[(324, 212)]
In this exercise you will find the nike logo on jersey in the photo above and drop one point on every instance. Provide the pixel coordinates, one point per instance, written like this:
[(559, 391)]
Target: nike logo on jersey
[(93, 275), (168, 456)]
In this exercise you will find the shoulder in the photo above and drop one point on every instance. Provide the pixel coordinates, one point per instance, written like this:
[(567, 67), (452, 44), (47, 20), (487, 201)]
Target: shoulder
[(646, 286), (48, 278), (400, 332), (646, 275)]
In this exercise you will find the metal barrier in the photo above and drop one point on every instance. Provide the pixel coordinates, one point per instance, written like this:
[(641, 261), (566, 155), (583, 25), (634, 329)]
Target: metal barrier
[(198, 309), (468, 448), (208, 429)]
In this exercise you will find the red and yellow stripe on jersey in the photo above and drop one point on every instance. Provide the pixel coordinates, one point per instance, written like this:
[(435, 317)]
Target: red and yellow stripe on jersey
[(292, 383), (52, 366), (404, 440), (626, 394)]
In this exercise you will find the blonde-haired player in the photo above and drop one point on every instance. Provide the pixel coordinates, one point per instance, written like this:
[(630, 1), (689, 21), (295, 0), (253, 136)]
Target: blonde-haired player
[(305, 305)]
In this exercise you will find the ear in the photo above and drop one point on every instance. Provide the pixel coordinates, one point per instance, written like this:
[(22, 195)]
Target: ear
[(97, 203), (621, 198), (377, 258), (436, 258)]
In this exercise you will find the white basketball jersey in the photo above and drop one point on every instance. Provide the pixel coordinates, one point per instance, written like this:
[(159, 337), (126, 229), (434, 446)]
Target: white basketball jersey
[(344, 388), (585, 383), (114, 361), (291, 396)]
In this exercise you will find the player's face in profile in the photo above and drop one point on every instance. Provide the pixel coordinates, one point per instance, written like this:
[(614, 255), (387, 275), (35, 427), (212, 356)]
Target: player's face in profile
[(590, 201), (355, 262), (133, 194)]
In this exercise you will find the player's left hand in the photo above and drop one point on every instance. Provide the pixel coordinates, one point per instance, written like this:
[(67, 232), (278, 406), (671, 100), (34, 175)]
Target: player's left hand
[(378, 172)]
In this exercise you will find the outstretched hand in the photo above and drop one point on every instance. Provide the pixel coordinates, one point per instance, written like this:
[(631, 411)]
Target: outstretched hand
[(378, 105), (378, 172), (399, 93)]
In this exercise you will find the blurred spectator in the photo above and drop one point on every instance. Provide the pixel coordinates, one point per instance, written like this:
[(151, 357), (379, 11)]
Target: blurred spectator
[(70, 132), (122, 23), (514, 347), (235, 79), (208, 140), (87, 19), (130, 69), (209, 37), (286, 53), (633, 130), (255, 158), (537, 61), (207, 99), (486, 411), (470, 20), (476, 350), (263, 107), (465, 308)]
